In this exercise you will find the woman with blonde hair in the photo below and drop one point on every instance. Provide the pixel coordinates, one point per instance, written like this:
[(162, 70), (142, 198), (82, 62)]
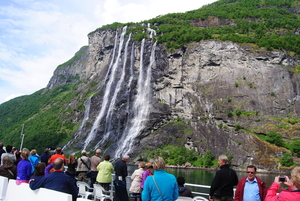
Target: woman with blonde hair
[(24, 168), (160, 186), (136, 178), (33, 158), (292, 194)]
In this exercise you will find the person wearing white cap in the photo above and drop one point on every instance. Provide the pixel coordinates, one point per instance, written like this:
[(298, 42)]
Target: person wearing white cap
[(83, 166)]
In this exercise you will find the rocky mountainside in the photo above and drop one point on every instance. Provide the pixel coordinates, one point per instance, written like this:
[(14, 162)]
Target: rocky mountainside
[(192, 95), (216, 79)]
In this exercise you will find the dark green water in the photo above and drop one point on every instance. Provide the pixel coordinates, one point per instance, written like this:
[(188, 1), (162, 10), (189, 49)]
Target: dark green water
[(204, 177)]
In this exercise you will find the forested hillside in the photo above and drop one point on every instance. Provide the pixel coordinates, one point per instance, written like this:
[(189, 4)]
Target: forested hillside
[(42, 114)]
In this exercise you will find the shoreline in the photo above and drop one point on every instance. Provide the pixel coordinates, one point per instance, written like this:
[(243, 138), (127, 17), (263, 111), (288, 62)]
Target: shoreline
[(238, 170)]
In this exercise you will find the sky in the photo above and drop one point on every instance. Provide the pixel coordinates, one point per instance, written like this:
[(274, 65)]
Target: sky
[(38, 35)]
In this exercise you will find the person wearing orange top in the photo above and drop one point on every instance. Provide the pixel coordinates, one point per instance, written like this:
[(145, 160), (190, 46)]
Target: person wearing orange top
[(58, 154)]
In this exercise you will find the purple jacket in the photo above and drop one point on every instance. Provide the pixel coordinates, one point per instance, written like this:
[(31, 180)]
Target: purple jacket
[(24, 170), (145, 174)]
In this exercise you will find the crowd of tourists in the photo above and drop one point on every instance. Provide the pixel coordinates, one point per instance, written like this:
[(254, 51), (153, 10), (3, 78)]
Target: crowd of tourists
[(150, 181)]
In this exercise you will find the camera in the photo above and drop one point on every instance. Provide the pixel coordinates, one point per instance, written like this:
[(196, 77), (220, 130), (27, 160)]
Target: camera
[(282, 179)]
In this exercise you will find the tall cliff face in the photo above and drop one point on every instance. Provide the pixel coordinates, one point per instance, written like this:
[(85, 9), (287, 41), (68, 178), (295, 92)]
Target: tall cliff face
[(139, 96)]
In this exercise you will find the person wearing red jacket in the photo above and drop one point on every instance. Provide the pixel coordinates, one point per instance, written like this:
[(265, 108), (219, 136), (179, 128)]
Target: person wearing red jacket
[(250, 188), (293, 192)]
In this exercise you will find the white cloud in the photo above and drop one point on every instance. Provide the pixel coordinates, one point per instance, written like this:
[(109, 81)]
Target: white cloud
[(11, 96), (38, 35)]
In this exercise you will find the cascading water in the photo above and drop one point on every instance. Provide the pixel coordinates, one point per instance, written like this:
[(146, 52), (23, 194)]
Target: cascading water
[(108, 89), (87, 105), (111, 108), (141, 106), (126, 103), (112, 58), (131, 77), (152, 31)]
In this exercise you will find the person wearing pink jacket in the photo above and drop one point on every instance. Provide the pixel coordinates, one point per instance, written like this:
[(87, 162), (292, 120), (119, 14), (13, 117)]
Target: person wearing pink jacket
[(293, 192)]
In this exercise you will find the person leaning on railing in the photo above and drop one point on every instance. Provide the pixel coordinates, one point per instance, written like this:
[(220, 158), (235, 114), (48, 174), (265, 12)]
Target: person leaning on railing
[(293, 192)]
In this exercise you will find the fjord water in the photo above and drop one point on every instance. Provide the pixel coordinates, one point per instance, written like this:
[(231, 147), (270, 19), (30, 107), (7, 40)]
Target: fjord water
[(204, 177)]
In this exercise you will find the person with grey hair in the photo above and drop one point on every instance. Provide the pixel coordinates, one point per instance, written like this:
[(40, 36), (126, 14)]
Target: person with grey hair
[(83, 166), (221, 188), (121, 168), (160, 186), (120, 178), (95, 160)]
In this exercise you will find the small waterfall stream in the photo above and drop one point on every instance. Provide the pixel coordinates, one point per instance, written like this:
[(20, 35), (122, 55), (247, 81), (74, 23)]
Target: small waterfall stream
[(87, 105)]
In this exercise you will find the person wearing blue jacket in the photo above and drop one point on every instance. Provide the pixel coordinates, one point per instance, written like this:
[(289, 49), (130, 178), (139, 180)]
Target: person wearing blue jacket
[(34, 159), (57, 180), (24, 168), (162, 186)]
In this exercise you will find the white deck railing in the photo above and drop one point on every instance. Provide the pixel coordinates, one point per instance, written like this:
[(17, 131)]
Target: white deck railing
[(198, 186)]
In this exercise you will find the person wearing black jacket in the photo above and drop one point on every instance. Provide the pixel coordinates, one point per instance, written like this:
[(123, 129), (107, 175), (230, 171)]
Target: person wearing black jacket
[(221, 188), (120, 178)]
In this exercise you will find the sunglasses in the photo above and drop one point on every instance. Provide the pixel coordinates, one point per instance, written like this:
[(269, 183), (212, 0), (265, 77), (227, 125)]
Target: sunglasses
[(251, 172)]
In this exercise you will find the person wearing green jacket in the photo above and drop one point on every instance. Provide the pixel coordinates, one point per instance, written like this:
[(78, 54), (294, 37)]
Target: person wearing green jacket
[(105, 169)]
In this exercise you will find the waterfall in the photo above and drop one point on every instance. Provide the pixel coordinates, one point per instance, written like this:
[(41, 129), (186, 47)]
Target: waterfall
[(115, 94), (109, 85), (151, 31), (87, 105), (112, 58), (132, 58), (141, 105)]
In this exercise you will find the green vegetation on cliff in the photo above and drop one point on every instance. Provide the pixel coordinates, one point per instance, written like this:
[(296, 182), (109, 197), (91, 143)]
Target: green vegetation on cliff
[(174, 155), (265, 23)]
